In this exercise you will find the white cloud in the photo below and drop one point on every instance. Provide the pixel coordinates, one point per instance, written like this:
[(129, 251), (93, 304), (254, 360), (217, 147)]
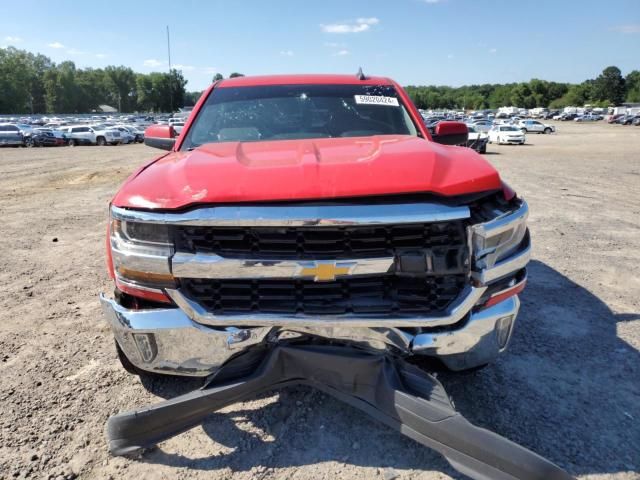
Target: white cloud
[(628, 29), (55, 45), (184, 68), (341, 53), (101, 55), (493, 50), (152, 62), (357, 26), (11, 39), (286, 53)]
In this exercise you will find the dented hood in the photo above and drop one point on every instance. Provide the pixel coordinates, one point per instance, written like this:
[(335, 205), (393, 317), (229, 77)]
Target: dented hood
[(235, 172)]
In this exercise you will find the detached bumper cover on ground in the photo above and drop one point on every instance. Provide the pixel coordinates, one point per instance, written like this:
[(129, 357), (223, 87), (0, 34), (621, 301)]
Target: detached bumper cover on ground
[(398, 394)]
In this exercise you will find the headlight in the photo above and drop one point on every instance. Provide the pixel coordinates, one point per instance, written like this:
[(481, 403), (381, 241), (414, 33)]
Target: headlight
[(141, 253), (499, 238)]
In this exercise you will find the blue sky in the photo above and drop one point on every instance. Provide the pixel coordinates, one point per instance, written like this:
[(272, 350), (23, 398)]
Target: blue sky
[(444, 42)]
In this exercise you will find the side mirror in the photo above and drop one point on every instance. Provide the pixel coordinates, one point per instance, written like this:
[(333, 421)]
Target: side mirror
[(450, 133), (160, 136)]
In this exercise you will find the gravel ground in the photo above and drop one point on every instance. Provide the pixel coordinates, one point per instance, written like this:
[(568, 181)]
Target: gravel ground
[(568, 388)]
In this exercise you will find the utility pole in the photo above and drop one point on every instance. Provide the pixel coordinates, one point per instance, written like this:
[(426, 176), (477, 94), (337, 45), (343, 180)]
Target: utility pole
[(170, 74)]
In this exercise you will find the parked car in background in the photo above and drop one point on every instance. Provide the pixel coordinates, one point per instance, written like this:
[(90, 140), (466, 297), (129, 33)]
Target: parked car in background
[(482, 126), (533, 126), (628, 119), (91, 135), (46, 137), (550, 115), (614, 118), (509, 134), (177, 126), (125, 135), (565, 117), (10, 135), (477, 140), (138, 134), (636, 121), (587, 117)]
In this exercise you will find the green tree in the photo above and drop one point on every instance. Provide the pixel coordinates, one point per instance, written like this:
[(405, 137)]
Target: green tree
[(609, 86), (236, 74), (632, 84), (217, 77)]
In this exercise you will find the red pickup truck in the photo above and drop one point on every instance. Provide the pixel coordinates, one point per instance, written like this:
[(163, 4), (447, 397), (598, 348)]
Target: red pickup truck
[(318, 208)]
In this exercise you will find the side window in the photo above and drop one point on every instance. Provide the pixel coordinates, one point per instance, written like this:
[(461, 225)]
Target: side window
[(3, 128), (75, 130)]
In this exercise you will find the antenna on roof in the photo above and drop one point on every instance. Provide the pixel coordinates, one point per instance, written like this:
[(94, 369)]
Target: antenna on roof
[(360, 75)]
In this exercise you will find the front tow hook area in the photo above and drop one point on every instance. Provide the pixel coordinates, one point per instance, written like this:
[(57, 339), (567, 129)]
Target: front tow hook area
[(398, 394)]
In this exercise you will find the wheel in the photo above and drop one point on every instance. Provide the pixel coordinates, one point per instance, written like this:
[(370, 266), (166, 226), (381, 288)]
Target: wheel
[(524, 130), (547, 131), (72, 142), (101, 141), (28, 142)]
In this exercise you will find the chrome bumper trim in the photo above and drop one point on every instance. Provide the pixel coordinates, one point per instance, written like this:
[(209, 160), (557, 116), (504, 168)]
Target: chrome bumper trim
[(455, 313), (301, 215), (186, 265), (184, 347), (473, 344)]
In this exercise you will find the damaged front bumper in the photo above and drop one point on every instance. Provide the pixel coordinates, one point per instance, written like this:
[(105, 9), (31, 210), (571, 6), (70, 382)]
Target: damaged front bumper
[(169, 341)]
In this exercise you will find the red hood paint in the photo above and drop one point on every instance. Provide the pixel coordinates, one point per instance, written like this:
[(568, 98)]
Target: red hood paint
[(236, 172)]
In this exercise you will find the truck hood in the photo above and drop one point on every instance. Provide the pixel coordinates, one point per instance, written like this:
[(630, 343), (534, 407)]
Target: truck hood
[(236, 172)]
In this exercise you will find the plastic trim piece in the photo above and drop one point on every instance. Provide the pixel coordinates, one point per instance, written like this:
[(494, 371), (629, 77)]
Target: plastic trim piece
[(398, 394)]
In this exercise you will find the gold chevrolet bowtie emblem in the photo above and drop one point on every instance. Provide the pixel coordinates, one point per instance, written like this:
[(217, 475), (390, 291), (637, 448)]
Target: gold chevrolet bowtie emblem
[(325, 271)]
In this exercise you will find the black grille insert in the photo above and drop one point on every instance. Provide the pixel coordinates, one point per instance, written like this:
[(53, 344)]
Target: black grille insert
[(318, 242), (383, 295)]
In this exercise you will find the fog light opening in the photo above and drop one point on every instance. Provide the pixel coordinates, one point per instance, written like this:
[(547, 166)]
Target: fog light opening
[(146, 346), (503, 330)]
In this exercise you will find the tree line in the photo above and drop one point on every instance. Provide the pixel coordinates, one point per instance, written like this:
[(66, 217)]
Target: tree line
[(33, 83), (610, 88)]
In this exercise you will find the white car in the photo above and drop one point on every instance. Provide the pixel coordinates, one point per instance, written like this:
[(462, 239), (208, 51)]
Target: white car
[(509, 134), (91, 135), (125, 134), (529, 126)]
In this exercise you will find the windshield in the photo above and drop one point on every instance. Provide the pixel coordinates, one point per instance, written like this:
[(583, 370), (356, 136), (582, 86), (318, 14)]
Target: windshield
[(281, 112)]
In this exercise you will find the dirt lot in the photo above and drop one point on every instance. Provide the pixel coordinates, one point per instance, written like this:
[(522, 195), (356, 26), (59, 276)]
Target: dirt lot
[(568, 388)]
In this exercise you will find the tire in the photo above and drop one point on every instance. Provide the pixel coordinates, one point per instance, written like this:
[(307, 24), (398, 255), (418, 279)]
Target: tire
[(72, 142), (524, 130), (126, 363), (101, 141), (28, 142), (547, 131)]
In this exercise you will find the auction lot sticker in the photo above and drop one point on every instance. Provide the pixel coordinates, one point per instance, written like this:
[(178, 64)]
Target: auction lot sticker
[(376, 100)]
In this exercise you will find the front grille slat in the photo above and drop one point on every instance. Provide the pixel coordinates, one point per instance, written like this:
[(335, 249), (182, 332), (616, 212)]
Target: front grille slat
[(383, 295), (309, 242)]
